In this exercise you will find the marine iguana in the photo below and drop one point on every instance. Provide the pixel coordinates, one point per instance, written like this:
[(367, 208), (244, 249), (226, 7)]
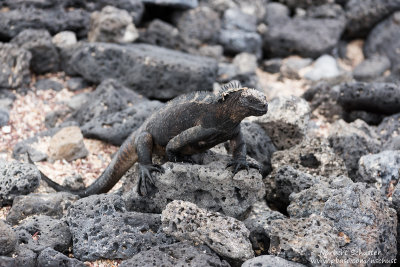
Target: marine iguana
[(186, 125)]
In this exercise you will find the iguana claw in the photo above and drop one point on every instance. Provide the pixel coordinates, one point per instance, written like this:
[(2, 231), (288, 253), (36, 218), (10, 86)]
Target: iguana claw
[(241, 165), (146, 180)]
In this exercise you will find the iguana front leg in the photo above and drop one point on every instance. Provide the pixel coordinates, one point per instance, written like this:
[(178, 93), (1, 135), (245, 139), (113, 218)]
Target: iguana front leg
[(238, 147), (188, 143), (144, 148)]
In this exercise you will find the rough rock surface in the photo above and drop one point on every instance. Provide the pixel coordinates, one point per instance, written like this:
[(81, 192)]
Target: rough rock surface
[(389, 131), (40, 231), (384, 39), (208, 185), (67, 144), (50, 257), (136, 66), (382, 168), (53, 204), (17, 179), (112, 25), (8, 239), (14, 70), (225, 235), (375, 97), (20, 257), (45, 57), (270, 261), (351, 141), (184, 254), (101, 228), (301, 35), (305, 240), (286, 121)]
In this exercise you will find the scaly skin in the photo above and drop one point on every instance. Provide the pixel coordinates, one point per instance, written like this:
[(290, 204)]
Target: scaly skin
[(186, 125)]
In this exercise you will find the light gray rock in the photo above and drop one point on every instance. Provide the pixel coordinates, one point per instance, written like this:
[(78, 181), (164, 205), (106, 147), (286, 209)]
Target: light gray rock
[(112, 25), (351, 141), (8, 239), (236, 19), (286, 121), (102, 229), (225, 235), (53, 204), (14, 70), (184, 254), (270, 261), (48, 84), (325, 67), (237, 41), (64, 38), (383, 169), (17, 179), (389, 131), (209, 185), (40, 231), (245, 63), (371, 68)]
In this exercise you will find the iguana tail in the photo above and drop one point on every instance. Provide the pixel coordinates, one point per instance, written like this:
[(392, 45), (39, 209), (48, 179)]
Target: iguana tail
[(120, 164)]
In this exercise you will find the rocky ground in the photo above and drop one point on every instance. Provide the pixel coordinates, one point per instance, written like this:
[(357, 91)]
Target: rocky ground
[(76, 77)]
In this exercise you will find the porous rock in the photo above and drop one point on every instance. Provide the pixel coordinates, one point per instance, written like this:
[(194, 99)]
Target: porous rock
[(209, 185), (8, 239), (101, 228), (389, 131), (383, 169), (40, 231), (53, 204), (225, 235), (67, 144), (286, 121), (301, 35), (17, 179), (375, 97), (351, 141), (112, 25), (14, 70), (50, 257), (136, 66), (185, 254), (45, 57), (270, 261), (306, 240)]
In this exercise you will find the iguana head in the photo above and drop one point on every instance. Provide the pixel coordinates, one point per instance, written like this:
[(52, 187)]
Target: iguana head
[(252, 101)]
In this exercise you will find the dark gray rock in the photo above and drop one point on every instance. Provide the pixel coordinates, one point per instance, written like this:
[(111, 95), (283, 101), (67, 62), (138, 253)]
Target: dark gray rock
[(362, 15), (286, 121), (306, 240), (54, 19), (270, 261), (45, 57), (40, 231), (53, 204), (214, 51), (259, 145), (208, 184), (185, 4), (383, 169), (384, 39), (8, 239), (53, 118), (369, 117), (7, 261), (323, 100), (301, 35), (15, 62), (371, 68), (76, 84), (101, 228), (4, 117), (201, 23), (114, 128), (17, 179), (237, 41), (389, 131), (137, 65), (48, 84), (272, 65), (112, 25), (258, 222), (227, 236), (24, 256), (50, 257), (276, 13), (351, 141), (235, 19), (184, 253), (375, 97), (6, 99), (303, 3), (291, 67)]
